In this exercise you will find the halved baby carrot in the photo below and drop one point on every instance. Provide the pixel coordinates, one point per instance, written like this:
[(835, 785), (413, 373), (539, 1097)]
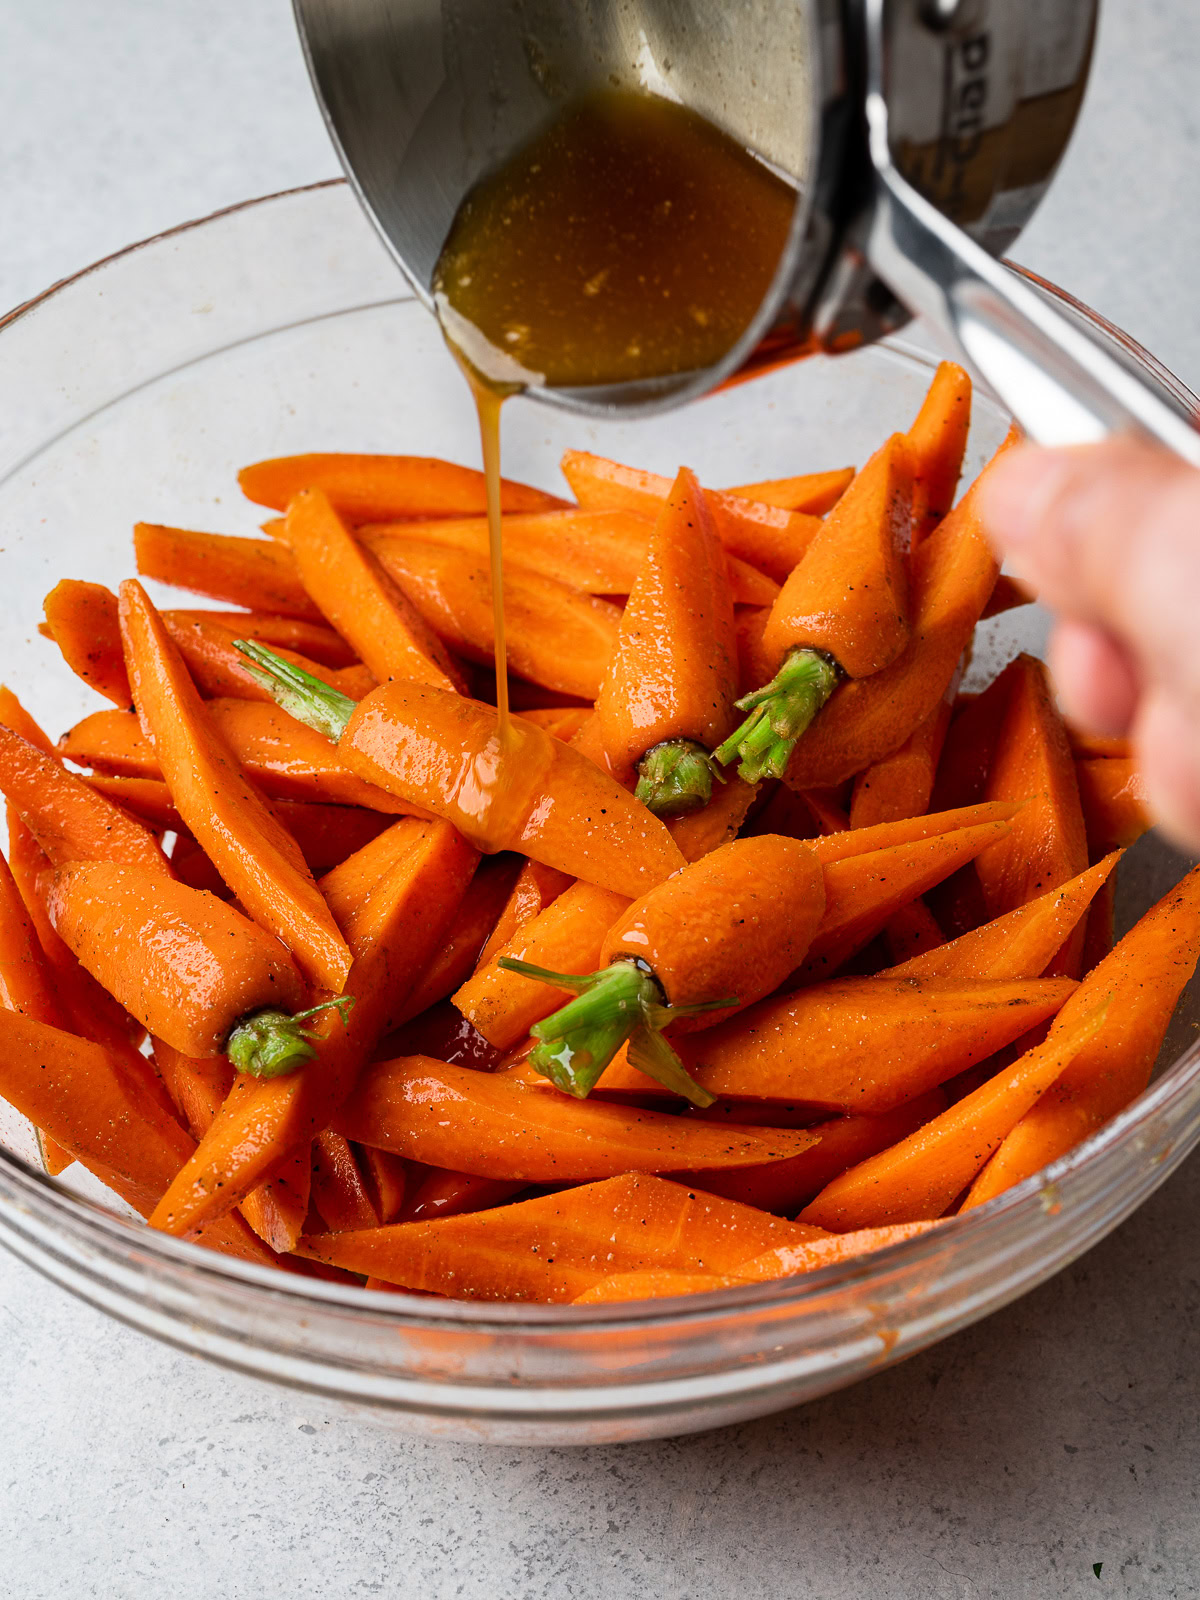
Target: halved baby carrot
[(442, 751), (492, 1125), (953, 574), (901, 785), (1115, 804), (339, 1191), (1144, 976), (283, 757), (392, 930), (912, 931), (82, 619), (443, 1193), (243, 572), (371, 488), (1098, 746), (360, 601), (766, 536), (787, 1261), (313, 639), (1032, 761), (844, 611), (218, 668), (555, 636), (535, 888), (862, 892), (251, 850), (553, 1249), (920, 1177), (655, 1283), (458, 955), (598, 552), (667, 698), (713, 939), (814, 492), (862, 1045), (1020, 944), (937, 441), (73, 1088), (389, 1179), (970, 744)]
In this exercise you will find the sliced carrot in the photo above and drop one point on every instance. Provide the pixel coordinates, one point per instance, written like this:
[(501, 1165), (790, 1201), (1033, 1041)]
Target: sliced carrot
[(912, 931), (553, 1249), (1144, 977), (253, 852), (970, 745), (218, 667), (699, 832), (82, 619), (672, 679), (1115, 804), (901, 785), (388, 1181), (75, 1090), (365, 488), (360, 601), (862, 1045), (392, 934), (953, 575), (312, 639), (862, 892), (784, 1186), (766, 536), (920, 1177), (1047, 845), (243, 572), (787, 1261), (555, 636), (1021, 944), (286, 759), (598, 552), (442, 1193), (458, 953), (654, 1284), (849, 596), (1007, 595), (536, 887), (1098, 746), (339, 1192), (937, 441), (814, 492)]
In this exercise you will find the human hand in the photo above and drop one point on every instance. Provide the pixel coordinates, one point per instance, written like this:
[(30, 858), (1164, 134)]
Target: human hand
[(1109, 537)]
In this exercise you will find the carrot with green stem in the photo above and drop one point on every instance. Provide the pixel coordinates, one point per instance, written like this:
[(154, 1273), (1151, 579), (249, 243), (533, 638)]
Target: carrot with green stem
[(668, 695), (250, 848), (716, 937), (842, 612), (1144, 975), (394, 902), (377, 488), (443, 752), (937, 442), (367, 609)]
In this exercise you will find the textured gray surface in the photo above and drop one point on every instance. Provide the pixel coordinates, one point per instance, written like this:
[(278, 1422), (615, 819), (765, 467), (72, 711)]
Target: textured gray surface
[(1063, 1432)]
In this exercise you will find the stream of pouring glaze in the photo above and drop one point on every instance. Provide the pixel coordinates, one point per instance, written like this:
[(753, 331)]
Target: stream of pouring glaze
[(630, 239)]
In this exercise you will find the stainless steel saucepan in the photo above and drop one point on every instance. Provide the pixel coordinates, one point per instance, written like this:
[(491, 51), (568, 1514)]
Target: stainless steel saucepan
[(920, 136)]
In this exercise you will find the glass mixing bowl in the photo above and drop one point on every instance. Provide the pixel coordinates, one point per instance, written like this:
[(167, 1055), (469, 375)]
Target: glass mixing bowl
[(135, 390)]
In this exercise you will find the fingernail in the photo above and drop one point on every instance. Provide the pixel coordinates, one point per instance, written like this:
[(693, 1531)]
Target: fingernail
[(1019, 491)]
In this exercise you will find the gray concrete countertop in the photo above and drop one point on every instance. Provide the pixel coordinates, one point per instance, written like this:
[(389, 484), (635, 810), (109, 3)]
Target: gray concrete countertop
[(1052, 1451)]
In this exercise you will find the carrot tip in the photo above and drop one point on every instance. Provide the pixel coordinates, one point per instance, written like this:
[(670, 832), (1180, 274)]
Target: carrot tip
[(780, 713), (676, 777)]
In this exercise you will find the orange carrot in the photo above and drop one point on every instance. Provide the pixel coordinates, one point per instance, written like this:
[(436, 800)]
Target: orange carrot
[(555, 636), (1144, 975), (1007, 595), (553, 1249), (766, 536), (784, 1186), (1115, 806), (359, 600), (920, 1177), (68, 818), (1020, 944), (1098, 746), (82, 619), (366, 488), (814, 492), (250, 848), (218, 668), (862, 892), (312, 639), (338, 1191), (668, 696), (442, 1193), (535, 888), (598, 552), (442, 751), (843, 611), (392, 930), (901, 785), (786, 1261), (242, 572), (654, 1284), (388, 1181), (458, 956), (862, 1045), (713, 939), (493, 1126), (912, 931), (937, 441), (283, 757), (1048, 842), (953, 574), (71, 1087)]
